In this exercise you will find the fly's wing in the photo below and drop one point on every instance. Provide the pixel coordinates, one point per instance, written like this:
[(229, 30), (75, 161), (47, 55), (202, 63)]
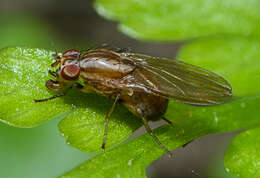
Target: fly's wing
[(178, 80)]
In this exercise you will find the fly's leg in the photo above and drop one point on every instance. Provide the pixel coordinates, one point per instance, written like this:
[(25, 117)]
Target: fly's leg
[(187, 144), (107, 119), (168, 121), (78, 85), (55, 96), (50, 98), (52, 73), (52, 83), (55, 63), (149, 131)]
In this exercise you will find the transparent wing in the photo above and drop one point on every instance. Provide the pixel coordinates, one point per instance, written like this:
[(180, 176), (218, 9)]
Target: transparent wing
[(178, 80)]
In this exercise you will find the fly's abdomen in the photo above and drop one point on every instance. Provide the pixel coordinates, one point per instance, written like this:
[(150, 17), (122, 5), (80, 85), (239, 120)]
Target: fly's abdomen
[(145, 105)]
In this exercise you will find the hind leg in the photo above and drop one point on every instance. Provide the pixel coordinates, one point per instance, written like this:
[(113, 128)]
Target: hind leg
[(149, 131)]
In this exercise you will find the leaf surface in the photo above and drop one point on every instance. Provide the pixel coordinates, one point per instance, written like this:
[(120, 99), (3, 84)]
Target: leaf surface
[(243, 157)]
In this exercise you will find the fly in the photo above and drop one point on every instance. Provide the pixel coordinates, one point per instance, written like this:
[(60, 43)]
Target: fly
[(142, 83)]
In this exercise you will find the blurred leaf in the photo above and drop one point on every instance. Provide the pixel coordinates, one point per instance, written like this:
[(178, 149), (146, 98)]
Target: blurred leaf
[(23, 74), (243, 157), (173, 20), (25, 30), (36, 150), (227, 58)]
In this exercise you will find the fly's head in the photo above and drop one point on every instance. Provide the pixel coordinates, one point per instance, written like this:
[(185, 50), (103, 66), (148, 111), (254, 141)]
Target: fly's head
[(67, 71)]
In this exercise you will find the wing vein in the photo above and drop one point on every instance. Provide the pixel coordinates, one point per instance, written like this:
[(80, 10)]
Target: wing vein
[(181, 90)]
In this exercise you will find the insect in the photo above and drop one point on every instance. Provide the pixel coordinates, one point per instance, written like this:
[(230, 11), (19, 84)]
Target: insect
[(142, 83)]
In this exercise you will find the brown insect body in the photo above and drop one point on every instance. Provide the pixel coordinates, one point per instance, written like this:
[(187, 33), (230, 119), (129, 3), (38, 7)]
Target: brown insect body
[(107, 71), (142, 83)]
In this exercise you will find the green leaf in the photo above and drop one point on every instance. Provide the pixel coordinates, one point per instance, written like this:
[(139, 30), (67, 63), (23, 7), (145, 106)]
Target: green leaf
[(174, 20), (23, 74), (84, 127), (243, 157), (232, 59)]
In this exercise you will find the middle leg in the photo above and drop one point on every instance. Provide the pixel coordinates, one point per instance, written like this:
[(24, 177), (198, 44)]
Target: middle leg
[(107, 119)]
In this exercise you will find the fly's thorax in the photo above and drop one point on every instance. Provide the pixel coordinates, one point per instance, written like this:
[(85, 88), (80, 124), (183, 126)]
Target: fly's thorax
[(99, 87), (99, 64)]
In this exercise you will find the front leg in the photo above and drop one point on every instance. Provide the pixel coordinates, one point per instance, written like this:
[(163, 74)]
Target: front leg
[(55, 96), (168, 121), (53, 73), (56, 86)]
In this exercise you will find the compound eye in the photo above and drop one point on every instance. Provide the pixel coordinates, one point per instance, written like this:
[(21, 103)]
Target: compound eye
[(71, 53), (70, 72)]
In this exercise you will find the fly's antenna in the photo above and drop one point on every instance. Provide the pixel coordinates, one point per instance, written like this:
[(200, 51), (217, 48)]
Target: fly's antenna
[(53, 47), (55, 55), (57, 58)]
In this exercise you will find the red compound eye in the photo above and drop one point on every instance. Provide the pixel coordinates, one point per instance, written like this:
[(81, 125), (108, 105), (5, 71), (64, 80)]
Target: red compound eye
[(70, 72)]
